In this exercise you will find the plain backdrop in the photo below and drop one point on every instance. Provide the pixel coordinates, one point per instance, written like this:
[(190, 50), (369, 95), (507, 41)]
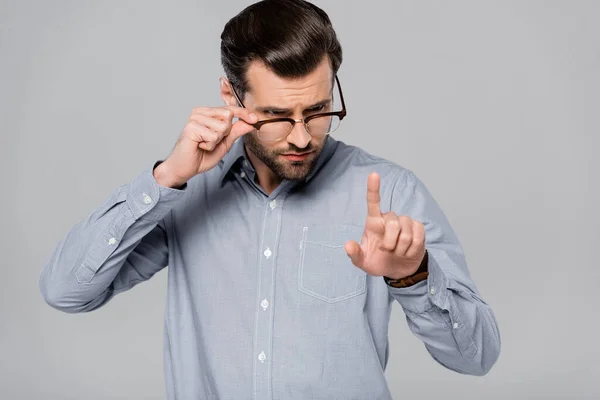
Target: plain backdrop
[(495, 105)]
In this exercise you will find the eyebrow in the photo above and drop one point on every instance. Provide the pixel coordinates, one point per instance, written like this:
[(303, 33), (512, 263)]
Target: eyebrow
[(286, 111)]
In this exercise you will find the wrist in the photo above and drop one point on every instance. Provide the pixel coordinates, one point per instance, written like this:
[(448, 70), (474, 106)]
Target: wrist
[(419, 275), (164, 177)]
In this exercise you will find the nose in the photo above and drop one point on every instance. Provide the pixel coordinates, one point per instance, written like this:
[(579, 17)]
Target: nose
[(299, 136)]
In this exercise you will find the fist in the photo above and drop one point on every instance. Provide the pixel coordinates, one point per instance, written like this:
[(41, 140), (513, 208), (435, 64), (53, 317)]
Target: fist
[(204, 141)]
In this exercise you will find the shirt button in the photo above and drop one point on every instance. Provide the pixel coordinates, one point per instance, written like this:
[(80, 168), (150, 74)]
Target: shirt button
[(245, 163), (264, 304), (243, 174), (267, 253), (112, 241), (262, 357), (432, 291), (455, 325), (147, 199), (273, 204)]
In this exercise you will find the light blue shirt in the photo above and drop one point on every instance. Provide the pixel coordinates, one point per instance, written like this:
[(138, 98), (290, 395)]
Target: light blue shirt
[(262, 301)]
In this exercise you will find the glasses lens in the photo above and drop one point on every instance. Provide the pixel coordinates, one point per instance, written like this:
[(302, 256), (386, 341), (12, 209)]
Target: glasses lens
[(323, 125), (274, 131)]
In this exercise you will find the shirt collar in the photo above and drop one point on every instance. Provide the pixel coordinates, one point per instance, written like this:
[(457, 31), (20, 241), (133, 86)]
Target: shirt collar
[(237, 153)]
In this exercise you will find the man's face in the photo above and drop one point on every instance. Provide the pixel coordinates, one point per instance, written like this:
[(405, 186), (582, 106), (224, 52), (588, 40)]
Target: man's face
[(270, 96)]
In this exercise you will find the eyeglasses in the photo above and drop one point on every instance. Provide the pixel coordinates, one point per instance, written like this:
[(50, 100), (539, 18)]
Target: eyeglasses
[(320, 124)]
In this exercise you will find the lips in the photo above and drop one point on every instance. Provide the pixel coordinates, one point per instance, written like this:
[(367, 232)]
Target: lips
[(296, 156)]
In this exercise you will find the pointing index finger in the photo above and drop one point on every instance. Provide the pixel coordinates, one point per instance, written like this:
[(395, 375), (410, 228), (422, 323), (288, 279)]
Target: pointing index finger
[(373, 197)]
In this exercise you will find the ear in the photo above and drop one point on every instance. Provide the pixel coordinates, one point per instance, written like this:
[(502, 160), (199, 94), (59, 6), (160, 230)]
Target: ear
[(227, 93)]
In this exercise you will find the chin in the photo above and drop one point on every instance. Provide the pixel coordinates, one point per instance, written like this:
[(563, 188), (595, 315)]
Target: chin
[(294, 171)]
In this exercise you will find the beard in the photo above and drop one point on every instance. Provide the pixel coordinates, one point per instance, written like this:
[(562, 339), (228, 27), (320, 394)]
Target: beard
[(282, 168)]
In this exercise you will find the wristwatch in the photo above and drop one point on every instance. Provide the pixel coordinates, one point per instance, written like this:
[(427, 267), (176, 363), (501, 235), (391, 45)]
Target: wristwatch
[(420, 275)]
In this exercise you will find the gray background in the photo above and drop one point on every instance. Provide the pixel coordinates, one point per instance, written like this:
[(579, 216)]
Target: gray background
[(494, 104)]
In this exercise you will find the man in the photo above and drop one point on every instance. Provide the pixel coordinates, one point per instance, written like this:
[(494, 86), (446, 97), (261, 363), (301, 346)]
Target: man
[(286, 248)]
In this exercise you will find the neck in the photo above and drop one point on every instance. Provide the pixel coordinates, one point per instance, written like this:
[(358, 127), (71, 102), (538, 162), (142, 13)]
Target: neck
[(265, 176)]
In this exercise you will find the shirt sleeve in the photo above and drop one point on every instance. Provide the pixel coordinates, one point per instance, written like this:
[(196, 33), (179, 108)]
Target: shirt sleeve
[(119, 244), (445, 311)]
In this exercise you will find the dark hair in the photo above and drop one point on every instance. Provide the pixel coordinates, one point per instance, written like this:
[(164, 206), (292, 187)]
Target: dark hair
[(291, 37)]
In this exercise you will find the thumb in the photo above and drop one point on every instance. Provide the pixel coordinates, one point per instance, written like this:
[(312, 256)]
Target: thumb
[(355, 253), (238, 129)]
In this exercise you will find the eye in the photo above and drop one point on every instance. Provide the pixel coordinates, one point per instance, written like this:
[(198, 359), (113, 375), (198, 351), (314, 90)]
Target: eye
[(317, 109)]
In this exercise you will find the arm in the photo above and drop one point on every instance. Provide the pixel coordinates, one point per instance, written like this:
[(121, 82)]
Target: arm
[(445, 311), (121, 243)]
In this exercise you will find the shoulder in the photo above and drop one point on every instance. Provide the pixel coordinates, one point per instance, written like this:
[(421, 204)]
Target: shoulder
[(355, 161)]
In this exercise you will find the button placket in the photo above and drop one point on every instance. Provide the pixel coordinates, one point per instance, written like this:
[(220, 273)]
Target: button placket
[(266, 289), (264, 304), (262, 357), (268, 253)]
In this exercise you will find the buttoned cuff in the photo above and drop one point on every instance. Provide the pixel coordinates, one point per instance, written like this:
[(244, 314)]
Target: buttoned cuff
[(423, 295), (150, 201)]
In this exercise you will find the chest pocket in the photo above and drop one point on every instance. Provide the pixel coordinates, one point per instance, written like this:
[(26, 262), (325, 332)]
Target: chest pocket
[(325, 270)]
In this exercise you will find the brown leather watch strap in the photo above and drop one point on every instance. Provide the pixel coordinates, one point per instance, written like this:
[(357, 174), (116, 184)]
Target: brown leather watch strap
[(420, 275)]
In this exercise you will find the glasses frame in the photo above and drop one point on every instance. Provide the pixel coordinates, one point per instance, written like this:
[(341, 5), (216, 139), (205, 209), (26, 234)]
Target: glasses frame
[(340, 114)]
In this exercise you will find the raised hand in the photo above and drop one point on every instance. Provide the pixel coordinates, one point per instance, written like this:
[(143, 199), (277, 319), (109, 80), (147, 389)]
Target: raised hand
[(391, 245), (204, 141)]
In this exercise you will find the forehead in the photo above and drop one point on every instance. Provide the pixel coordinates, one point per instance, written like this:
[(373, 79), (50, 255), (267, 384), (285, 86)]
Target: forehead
[(267, 88)]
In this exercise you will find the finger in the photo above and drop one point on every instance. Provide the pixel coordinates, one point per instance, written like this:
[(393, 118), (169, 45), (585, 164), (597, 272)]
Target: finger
[(200, 133), (209, 140), (418, 241), (206, 138), (356, 254), (373, 198), (226, 113), (244, 114), (213, 112), (214, 124), (406, 236), (239, 128), (391, 231)]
